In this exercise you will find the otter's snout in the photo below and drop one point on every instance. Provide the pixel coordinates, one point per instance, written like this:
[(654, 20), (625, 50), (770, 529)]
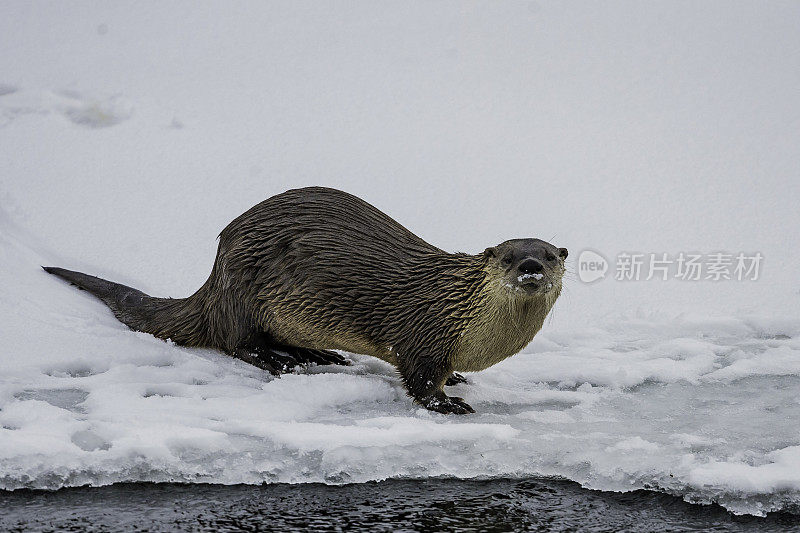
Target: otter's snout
[(530, 266)]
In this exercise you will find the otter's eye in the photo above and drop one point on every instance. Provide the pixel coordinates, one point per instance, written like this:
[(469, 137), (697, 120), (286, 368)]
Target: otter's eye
[(507, 259), (550, 257)]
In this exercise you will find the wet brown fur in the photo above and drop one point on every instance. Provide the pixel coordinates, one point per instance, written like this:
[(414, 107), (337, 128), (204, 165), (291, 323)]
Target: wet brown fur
[(317, 269)]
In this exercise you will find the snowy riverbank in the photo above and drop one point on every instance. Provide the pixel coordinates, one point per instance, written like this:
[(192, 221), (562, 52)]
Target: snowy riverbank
[(129, 137)]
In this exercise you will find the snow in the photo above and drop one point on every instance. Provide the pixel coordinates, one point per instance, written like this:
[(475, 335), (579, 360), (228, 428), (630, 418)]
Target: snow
[(131, 133)]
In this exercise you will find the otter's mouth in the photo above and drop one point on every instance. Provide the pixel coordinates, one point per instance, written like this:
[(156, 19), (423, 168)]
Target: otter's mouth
[(534, 283)]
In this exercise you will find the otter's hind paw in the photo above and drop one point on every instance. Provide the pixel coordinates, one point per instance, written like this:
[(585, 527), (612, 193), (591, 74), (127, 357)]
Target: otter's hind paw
[(254, 359), (319, 357)]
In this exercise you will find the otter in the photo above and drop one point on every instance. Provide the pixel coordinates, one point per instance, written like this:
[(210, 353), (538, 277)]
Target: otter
[(313, 270)]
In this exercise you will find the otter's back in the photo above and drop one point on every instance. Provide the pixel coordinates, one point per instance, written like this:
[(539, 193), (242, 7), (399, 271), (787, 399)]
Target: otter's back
[(323, 246), (321, 223)]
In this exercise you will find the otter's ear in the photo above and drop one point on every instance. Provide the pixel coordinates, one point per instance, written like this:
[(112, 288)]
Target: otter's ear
[(563, 253), (490, 252)]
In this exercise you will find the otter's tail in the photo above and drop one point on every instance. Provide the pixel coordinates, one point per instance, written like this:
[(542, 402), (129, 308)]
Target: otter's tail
[(177, 319)]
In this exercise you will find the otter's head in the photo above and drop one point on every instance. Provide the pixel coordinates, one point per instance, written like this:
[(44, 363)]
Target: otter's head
[(527, 266)]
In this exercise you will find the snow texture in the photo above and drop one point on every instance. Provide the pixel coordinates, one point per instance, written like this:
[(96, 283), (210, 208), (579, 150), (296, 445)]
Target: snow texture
[(130, 134)]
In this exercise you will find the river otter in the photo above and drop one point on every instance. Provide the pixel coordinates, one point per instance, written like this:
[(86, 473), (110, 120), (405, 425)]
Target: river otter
[(316, 269)]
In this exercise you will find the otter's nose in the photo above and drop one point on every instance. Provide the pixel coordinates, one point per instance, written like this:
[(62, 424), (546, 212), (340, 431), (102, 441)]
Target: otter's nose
[(530, 266)]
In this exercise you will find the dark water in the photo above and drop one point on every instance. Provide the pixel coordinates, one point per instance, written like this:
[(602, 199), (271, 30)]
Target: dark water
[(431, 505)]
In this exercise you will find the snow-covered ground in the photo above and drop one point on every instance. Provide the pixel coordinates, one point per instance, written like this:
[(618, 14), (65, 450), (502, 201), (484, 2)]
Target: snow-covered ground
[(131, 133)]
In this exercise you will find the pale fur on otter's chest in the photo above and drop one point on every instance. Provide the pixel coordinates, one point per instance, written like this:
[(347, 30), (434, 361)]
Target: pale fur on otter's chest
[(504, 324)]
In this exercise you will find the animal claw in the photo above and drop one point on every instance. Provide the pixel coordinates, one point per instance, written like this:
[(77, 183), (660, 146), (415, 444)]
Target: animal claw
[(441, 403), (455, 379)]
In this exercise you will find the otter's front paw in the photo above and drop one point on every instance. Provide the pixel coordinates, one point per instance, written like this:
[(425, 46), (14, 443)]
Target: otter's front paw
[(454, 379), (441, 403)]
